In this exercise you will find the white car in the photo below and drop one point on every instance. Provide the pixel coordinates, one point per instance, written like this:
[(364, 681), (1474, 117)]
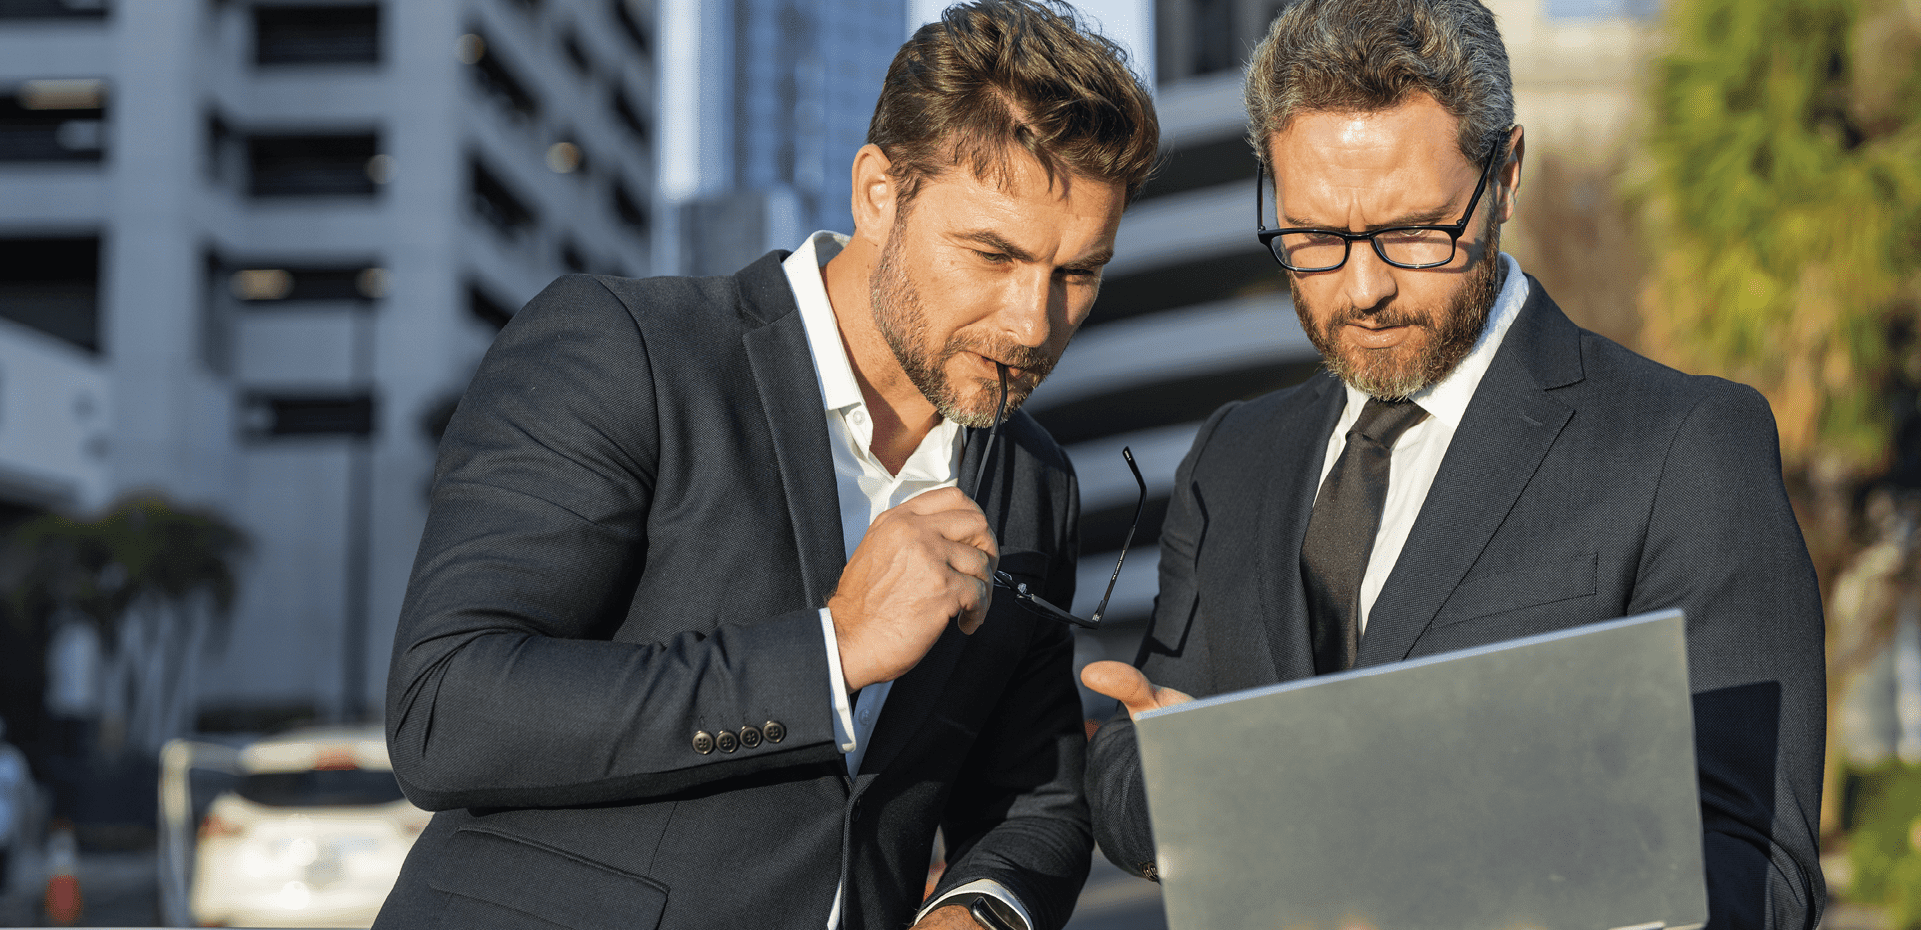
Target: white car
[(311, 835)]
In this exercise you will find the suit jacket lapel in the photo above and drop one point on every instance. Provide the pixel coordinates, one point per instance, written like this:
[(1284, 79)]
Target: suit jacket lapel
[(1285, 506), (1509, 427), (776, 344), (916, 693)]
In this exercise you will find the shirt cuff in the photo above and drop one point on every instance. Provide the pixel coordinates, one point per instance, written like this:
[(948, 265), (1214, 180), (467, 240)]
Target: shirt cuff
[(837, 683), (985, 886)]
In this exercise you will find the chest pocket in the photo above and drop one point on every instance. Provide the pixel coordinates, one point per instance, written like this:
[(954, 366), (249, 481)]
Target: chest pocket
[(1517, 589)]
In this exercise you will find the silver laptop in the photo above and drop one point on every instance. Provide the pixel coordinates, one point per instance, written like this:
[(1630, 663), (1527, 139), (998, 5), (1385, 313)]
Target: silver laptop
[(1542, 783)]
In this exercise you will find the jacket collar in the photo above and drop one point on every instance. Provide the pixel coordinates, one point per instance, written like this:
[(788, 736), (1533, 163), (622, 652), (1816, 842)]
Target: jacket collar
[(1507, 431)]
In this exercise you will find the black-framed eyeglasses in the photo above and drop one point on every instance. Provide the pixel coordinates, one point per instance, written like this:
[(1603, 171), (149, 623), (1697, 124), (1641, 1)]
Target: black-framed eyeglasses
[(1019, 590), (1415, 247), (1039, 605)]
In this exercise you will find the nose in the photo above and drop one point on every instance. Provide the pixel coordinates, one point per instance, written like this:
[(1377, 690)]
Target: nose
[(1367, 281), (1027, 312)]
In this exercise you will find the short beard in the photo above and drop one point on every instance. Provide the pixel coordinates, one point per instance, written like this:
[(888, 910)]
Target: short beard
[(1394, 374), (902, 321)]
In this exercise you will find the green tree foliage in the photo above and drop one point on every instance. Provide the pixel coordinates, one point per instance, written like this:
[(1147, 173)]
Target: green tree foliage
[(142, 547), (1783, 208), (1885, 850), (1780, 203), (156, 581)]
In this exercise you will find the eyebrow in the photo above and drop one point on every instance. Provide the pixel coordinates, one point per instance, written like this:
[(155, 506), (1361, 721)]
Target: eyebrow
[(1444, 216), (999, 243)]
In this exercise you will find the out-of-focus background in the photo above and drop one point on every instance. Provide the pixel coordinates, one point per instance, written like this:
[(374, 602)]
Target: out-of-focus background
[(251, 251)]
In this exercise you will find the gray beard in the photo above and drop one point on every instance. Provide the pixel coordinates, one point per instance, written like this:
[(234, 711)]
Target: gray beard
[(1380, 373)]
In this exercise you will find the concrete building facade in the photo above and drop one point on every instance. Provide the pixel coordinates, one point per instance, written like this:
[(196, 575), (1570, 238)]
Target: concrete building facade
[(784, 91), (275, 237)]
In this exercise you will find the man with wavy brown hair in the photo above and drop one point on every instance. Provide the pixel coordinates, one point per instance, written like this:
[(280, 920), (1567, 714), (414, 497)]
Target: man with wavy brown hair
[(702, 632)]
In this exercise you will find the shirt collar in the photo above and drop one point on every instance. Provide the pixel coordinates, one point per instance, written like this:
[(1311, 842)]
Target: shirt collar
[(938, 456), (838, 389), (1447, 399)]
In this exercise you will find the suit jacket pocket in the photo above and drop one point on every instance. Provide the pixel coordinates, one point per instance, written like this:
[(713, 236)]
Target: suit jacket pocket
[(1529, 586), (495, 880)]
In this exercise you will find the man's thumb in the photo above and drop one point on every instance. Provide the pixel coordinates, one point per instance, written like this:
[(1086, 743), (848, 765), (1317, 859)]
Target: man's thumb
[(1122, 682)]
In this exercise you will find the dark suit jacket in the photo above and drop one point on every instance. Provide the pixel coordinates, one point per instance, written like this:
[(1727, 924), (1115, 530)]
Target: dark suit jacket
[(634, 525), (1585, 483)]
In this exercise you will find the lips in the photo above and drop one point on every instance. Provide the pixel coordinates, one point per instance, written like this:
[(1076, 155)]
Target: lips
[(1377, 337)]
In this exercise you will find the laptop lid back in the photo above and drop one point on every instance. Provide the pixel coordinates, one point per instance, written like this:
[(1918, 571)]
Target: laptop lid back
[(1545, 783)]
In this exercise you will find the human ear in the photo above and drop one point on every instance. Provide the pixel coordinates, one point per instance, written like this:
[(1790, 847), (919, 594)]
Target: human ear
[(875, 195), (1508, 175)]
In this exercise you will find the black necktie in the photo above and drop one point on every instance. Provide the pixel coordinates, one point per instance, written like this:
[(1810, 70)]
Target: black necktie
[(1340, 532)]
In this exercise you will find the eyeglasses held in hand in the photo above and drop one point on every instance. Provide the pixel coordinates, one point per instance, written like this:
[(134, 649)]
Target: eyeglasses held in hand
[(1018, 589)]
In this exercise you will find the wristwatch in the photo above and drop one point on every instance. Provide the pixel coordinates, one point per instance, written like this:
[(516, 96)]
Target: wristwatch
[(988, 911)]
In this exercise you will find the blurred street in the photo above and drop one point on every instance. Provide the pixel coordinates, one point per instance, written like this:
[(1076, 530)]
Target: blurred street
[(119, 891)]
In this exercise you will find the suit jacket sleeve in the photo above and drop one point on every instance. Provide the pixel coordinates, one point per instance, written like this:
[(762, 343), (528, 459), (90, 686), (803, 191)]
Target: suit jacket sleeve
[(507, 687), (1017, 814), (1723, 544), (1115, 787)]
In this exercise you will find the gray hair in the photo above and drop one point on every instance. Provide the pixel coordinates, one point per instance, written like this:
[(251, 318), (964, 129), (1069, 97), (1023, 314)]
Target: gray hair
[(1370, 55)]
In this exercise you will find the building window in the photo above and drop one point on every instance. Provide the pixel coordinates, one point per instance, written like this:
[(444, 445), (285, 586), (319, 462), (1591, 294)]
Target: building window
[(629, 210), (57, 120), (314, 165), (485, 308), (630, 26), (571, 257), (576, 55), (494, 78), (629, 117), (53, 9), (1215, 163), (312, 35), (495, 204), (53, 285), (278, 415), (265, 285)]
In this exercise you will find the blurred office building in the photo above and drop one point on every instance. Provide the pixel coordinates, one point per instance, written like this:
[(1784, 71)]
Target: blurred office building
[(251, 251), (1193, 313), (782, 92)]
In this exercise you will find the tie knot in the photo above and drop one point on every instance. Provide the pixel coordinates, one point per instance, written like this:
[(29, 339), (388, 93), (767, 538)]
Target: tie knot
[(1385, 420)]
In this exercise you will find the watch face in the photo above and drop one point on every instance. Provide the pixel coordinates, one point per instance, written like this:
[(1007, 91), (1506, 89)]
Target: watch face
[(994, 914)]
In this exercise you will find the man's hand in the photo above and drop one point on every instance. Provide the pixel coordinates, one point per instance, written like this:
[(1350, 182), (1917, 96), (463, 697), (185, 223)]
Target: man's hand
[(921, 564), (1126, 684), (951, 917)]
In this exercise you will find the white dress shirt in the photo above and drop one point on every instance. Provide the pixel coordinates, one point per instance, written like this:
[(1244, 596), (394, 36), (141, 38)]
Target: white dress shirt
[(866, 489), (1418, 453)]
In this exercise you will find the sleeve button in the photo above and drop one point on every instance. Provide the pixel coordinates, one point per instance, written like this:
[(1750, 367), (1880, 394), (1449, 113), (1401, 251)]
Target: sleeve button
[(727, 741), (773, 731), (750, 736), (703, 742)]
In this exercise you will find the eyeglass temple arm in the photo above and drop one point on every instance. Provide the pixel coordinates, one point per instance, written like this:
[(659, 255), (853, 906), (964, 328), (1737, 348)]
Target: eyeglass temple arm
[(993, 435), (1260, 193), (1139, 508)]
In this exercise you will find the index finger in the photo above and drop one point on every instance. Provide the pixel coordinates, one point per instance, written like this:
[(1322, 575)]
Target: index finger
[(961, 520), (940, 499)]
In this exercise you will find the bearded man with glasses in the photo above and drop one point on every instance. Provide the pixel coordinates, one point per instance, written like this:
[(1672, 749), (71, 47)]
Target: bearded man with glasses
[(1479, 469)]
